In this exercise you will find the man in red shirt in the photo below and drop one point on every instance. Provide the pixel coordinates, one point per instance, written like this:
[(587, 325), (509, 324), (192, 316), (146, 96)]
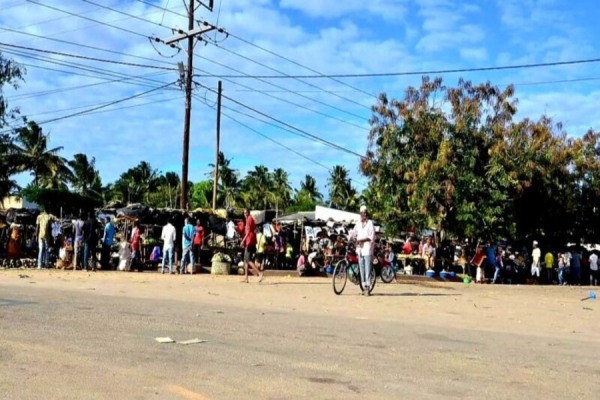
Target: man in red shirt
[(249, 244)]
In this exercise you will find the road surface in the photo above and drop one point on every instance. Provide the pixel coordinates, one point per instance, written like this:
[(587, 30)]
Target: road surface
[(78, 335)]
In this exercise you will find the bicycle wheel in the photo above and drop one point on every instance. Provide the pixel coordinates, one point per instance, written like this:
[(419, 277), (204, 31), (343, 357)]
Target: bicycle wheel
[(387, 274), (372, 281), (340, 277)]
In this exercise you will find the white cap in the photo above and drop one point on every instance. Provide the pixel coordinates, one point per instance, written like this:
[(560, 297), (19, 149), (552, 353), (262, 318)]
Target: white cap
[(363, 209), (535, 243)]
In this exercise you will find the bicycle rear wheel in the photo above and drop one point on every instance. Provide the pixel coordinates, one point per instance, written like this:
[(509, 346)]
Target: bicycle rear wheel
[(340, 277), (388, 274)]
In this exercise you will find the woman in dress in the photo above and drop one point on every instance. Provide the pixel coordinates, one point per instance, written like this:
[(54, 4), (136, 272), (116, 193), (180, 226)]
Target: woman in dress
[(14, 243)]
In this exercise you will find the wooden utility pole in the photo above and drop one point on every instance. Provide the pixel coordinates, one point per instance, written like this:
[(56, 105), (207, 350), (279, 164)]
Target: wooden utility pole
[(218, 148), (190, 35)]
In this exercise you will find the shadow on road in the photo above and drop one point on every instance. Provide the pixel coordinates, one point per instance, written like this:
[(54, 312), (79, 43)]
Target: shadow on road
[(295, 283), (415, 294)]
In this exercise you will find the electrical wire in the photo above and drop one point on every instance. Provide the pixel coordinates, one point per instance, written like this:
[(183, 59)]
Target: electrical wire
[(58, 53), (86, 106), (70, 88), (47, 21), (281, 87), (329, 116), (90, 110), (303, 132), (89, 69), (431, 72), (117, 109), (258, 63), (165, 12), (270, 138), (88, 19), (380, 74), (290, 76), (85, 46)]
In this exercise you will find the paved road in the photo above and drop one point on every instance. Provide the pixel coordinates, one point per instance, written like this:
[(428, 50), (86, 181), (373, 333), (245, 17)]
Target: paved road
[(62, 339)]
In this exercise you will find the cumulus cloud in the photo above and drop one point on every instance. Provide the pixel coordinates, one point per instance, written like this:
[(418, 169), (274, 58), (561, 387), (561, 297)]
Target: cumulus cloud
[(352, 37)]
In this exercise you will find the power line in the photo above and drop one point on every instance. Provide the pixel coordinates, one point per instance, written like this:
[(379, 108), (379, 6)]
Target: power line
[(90, 110), (89, 19), (53, 19), (70, 88), (239, 55), (58, 53), (408, 73), (269, 138), (86, 106), (280, 87), (290, 76), (87, 68), (85, 46), (291, 103), (326, 142)]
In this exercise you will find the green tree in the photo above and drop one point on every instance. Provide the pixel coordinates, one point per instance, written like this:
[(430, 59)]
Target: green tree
[(31, 153), (137, 183), (342, 195), (282, 190), (86, 178), (258, 188), (202, 194)]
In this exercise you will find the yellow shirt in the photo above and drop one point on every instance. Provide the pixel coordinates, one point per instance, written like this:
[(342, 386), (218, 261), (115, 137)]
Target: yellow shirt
[(44, 223), (261, 241), (549, 260)]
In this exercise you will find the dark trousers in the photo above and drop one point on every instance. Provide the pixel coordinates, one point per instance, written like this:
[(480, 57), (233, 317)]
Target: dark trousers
[(105, 256), (89, 250)]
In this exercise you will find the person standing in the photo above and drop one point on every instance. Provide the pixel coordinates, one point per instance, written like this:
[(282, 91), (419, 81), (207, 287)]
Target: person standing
[(78, 239), (365, 238), (108, 238), (549, 261), (168, 237), (536, 255), (136, 238), (575, 270), (249, 244), (593, 269), (198, 241), (90, 241), (44, 233), (187, 255)]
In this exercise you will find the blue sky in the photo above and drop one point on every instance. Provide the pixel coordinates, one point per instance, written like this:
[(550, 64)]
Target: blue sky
[(353, 36)]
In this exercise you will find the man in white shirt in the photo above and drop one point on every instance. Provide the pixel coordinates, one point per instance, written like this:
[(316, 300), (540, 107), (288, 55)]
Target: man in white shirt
[(365, 238), (536, 255), (168, 237), (593, 269)]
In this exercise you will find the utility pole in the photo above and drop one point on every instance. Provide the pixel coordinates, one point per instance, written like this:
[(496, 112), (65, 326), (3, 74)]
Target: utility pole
[(190, 35), (218, 149)]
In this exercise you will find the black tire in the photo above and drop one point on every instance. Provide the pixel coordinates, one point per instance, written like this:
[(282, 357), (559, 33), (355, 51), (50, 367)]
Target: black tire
[(373, 280), (387, 274), (341, 271)]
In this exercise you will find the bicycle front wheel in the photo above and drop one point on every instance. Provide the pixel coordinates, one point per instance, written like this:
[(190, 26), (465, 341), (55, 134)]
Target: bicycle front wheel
[(388, 273), (340, 277)]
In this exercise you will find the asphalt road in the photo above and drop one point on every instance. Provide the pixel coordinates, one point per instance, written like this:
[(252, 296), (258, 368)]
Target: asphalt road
[(96, 340)]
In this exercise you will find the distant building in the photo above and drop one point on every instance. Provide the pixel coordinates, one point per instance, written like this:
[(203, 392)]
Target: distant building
[(18, 203)]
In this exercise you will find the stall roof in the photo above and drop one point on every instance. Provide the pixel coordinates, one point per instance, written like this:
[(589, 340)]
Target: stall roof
[(299, 216)]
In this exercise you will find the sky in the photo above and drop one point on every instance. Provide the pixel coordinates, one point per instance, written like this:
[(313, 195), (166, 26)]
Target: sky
[(319, 37)]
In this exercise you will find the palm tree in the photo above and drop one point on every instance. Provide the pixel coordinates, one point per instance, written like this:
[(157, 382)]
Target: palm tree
[(282, 189), (86, 178), (341, 193), (7, 184), (258, 186), (309, 187), (172, 184), (229, 187), (137, 183), (32, 154)]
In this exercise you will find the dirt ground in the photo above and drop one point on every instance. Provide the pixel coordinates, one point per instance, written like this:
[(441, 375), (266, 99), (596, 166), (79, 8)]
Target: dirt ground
[(91, 335)]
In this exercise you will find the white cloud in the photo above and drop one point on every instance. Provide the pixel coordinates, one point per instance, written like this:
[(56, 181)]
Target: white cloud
[(347, 38)]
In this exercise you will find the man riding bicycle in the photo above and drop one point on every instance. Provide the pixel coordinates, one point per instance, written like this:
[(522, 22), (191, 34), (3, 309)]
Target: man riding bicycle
[(365, 244)]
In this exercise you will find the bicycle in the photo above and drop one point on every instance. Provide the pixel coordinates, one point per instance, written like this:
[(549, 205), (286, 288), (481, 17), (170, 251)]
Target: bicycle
[(348, 268)]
